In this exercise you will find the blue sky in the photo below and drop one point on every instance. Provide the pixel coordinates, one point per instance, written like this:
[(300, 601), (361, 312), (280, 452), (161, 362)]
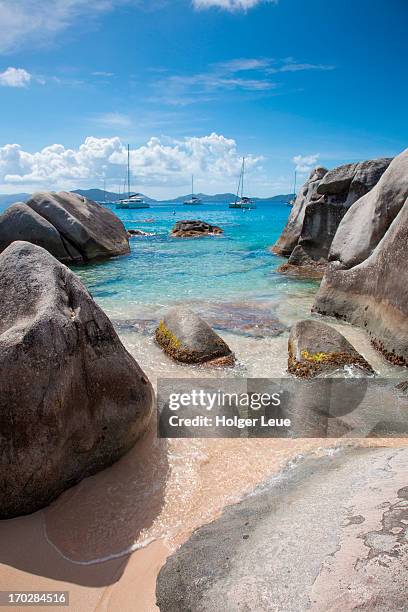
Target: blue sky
[(193, 85)]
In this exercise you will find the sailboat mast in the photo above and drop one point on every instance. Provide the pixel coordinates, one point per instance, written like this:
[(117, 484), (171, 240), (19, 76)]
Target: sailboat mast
[(243, 173), (128, 170)]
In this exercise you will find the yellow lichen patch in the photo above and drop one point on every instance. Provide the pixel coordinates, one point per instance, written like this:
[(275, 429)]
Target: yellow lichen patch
[(170, 338), (317, 357)]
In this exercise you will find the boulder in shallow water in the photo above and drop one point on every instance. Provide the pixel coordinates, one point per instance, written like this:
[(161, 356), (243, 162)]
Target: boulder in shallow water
[(368, 220), (374, 294), (20, 222), (72, 399), (327, 204), (89, 231), (194, 229), (291, 233), (185, 337), (316, 348)]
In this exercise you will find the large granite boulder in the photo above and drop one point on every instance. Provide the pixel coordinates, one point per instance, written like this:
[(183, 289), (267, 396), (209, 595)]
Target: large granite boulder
[(19, 222), (194, 229), (334, 193), (316, 348), (291, 233), (374, 294), (186, 338), (367, 221), (72, 399), (86, 228)]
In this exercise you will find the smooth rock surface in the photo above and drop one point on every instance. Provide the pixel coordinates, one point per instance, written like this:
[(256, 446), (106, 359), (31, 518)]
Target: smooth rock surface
[(89, 231), (316, 348), (291, 233), (374, 294), (368, 220), (194, 228), (328, 534), (72, 399), (187, 338), (19, 222)]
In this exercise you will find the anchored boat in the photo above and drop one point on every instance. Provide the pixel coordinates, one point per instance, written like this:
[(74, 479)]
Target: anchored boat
[(242, 201), (132, 201), (194, 200)]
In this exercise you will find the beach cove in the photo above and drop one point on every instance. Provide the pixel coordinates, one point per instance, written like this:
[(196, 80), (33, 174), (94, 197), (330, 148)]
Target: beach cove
[(105, 539)]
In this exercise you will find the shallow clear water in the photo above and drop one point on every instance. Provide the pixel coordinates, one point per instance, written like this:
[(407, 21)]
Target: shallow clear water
[(230, 280), (162, 270)]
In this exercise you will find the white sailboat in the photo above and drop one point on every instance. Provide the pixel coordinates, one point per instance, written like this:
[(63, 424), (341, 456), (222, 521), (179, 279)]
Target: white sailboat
[(242, 201), (194, 200), (135, 200), (293, 200)]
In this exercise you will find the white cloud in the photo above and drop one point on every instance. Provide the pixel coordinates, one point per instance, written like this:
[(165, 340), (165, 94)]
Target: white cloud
[(25, 21), (212, 157), (230, 5), (113, 120), (240, 74), (305, 163), (15, 77)]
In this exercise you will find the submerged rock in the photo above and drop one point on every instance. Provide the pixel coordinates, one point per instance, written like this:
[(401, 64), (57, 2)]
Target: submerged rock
[(374, 294), (327, 203), (368, 220), (187, 338), (316, 348), (70, 227), (193, 229), (72, 399)]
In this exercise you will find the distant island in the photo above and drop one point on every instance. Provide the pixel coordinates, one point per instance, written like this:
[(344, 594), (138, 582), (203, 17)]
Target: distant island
[(98, 195)]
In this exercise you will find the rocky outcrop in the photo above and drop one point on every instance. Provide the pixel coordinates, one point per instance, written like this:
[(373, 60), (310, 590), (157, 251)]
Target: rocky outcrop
[(368, 220), (194, 229), (316, 348), (72, 399), (19, 222), (186, 338), (69, 226), (331, 197), (291, 234), (291, 546), (374, 294)]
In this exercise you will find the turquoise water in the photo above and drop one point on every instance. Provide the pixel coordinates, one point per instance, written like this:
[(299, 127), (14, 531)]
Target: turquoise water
[(161, 270)]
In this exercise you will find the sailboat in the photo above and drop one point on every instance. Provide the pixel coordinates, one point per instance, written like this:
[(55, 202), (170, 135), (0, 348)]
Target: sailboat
[(132, 201), (194, 200), (293, 200), (242, 201), (104, 202)]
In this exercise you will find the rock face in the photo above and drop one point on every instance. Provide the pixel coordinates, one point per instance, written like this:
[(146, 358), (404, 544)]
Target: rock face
[(316, 348), (72, 399), (19, 222), (367, 221), (326, 204), (187, 338), (374, 294), (291, 546), (291, 234), (193, 229), (69, 226)]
